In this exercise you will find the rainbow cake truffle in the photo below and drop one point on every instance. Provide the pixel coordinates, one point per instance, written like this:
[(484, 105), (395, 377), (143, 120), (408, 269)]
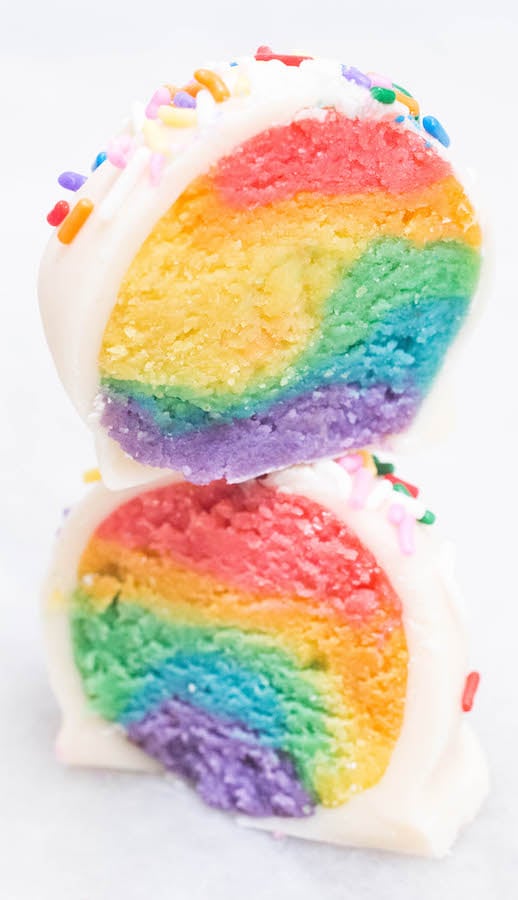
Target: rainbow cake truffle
[(266, 267), (291, 646)]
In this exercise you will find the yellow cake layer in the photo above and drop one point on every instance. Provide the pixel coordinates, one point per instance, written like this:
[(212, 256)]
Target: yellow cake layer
[(217, 298)]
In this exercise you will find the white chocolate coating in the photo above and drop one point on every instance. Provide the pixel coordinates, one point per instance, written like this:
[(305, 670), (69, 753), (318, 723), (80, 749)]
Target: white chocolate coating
[(437, 777), (79, 283)]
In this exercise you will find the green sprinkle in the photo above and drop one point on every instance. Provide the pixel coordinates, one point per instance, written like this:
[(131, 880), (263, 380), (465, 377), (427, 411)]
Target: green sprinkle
[(428, 518), (383, 468), (401, 489), (402, 90), (383, 95)]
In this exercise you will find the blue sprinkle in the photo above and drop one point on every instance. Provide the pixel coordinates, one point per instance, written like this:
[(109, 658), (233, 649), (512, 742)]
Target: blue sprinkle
[(355, 75), (232, 64), (71, 181), (434, 127), (184, 100), (99, 159), (399, 119)]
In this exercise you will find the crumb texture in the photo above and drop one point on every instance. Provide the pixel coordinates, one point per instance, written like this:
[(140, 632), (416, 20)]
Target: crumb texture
[(256, 293), (246, 639)]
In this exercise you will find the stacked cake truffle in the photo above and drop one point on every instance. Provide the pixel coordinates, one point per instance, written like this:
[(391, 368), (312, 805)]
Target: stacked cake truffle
[(256, 286)]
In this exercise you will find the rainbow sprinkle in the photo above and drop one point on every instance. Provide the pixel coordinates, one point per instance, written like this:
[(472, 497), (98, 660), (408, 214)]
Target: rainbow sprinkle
[(470, 689), (75, 220), (58, 213), (266, 54), (381, 88), (91, 475), (71, 181), (367, 472), (435, 129), (99, 159)]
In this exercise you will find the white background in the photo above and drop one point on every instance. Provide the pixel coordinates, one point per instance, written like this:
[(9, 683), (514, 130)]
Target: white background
[(68, 72)]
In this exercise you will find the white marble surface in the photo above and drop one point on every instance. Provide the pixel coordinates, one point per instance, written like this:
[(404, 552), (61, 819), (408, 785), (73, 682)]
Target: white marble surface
[(66, 73)]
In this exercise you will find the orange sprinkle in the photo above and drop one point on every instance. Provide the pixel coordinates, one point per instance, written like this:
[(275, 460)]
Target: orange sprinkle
[(410, 102), (368, 461), (193, 88), (213, 83), (75, 221)]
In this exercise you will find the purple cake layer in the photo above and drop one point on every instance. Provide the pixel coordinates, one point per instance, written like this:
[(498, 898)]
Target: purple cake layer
[(227, 765), (312, 426)]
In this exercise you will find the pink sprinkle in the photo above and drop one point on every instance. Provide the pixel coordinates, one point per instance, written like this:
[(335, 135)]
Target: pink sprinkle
[(380, 80), (161, 97), (119, 150), (407, 535), (156, 167), (405, 524), (351, 463), (396, 514), (362, 484)]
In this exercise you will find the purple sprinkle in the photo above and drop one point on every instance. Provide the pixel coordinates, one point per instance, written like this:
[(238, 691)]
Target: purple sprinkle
[(184, 100), (71, 181), (355, 75)]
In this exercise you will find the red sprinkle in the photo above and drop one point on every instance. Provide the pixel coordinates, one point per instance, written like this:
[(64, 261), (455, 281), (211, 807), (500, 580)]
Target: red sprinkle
[(264, 54), (410, 487), (470, 689), (58, 213)]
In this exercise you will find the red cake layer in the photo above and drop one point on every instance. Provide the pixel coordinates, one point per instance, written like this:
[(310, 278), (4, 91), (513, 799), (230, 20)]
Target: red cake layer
[(334, 156), (256, 538)]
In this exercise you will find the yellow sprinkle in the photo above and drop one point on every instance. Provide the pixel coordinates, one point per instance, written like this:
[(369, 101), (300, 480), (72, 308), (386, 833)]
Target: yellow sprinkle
[(91, 475), (155, 136), (177, 116), (368, 461), (242, 86)]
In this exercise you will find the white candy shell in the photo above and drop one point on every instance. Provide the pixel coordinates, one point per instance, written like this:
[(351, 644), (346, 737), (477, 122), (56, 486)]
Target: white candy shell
[(79, 282), (437, 777)]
